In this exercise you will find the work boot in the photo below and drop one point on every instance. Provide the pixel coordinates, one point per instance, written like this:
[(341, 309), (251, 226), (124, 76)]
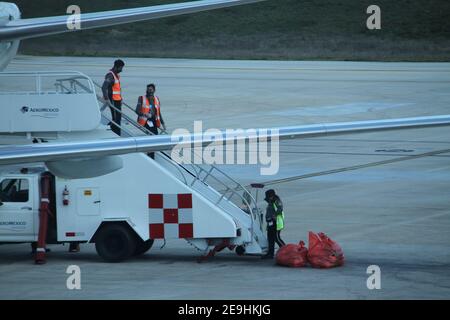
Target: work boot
[(74, 247), (34, 247), (33, 251)]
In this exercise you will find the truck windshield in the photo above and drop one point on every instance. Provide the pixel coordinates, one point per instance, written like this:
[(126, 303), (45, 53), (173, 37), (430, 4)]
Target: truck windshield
[(14, 190)]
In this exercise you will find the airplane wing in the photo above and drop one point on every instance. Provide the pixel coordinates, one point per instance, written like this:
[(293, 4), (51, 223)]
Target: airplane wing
[(37, 27), (99, 148)]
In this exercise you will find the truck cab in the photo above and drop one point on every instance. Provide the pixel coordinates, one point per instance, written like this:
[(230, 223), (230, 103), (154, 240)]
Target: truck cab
[(19, 207)]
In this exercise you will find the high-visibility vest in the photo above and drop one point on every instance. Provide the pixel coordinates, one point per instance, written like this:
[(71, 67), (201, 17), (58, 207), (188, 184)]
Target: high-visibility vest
[(116, 90), (145, 109), (280, 218)]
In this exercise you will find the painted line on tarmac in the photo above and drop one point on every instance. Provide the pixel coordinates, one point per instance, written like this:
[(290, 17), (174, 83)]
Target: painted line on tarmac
[(246, 78), (228, 67), (392, 225)]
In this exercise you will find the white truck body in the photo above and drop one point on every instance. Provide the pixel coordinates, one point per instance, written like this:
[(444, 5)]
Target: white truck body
[(123, 195)]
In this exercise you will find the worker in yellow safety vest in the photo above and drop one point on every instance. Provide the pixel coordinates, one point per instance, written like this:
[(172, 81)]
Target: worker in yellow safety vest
[(275, 222), (148, 110), (112, 92)]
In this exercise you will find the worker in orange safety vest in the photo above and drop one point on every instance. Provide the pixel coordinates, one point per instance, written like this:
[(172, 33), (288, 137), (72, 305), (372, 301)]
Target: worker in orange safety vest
[(112, 92), (149, 111)]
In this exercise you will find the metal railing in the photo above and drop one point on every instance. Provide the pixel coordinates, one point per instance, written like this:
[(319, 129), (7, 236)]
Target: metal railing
[(36, 80)]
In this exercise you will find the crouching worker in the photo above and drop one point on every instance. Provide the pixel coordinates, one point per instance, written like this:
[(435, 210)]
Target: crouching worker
[(275, 222)]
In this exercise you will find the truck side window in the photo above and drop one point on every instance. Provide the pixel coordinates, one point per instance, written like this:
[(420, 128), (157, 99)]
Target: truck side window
[(14, 190)]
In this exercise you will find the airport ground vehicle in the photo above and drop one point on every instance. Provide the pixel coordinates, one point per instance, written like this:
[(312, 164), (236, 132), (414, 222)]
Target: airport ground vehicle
[(119, 202)]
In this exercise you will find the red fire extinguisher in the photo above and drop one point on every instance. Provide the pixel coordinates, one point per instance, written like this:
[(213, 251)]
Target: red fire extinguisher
[(65, 196)]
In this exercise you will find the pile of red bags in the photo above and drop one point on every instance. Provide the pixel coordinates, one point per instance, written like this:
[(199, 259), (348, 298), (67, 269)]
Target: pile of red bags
[(322, 253), (293, 255)]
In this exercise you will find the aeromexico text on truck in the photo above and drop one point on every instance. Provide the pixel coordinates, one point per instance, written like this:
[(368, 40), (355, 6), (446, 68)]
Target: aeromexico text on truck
[(26, 109), (13, 223)]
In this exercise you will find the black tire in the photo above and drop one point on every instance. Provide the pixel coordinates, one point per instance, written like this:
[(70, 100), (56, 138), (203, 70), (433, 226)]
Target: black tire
[(240, 250), (115, 243), (143, 246)]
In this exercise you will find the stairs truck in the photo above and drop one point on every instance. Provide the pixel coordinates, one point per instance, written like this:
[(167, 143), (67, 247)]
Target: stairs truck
[(122, 203)]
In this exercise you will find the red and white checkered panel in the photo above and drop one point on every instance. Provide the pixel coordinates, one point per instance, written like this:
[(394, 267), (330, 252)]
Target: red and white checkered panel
[(170, 216)]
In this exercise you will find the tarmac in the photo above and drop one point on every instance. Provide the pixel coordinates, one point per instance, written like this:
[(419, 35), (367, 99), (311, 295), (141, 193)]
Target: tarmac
[(384, 197)]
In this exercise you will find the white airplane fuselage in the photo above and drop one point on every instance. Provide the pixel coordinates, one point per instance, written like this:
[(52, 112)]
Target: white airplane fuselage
[(8, 49)]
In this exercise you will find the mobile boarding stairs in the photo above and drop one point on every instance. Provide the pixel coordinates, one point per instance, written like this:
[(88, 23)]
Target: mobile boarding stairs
[(61, 104)]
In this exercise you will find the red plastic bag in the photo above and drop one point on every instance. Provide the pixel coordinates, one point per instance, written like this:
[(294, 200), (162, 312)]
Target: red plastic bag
[(324, 252), (293, 255)]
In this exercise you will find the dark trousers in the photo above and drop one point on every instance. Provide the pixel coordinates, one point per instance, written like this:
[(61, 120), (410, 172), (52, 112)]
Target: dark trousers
[(274, 236), (278, 239), (116, 116), (153, 130)]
